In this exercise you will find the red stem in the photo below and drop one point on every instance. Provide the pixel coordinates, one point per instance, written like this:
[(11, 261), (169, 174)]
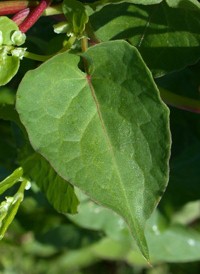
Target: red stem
[(11, 7), (34, 16), (19, 17)]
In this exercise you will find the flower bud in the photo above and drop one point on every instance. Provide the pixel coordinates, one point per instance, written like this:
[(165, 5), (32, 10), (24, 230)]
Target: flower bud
[(18, 52), (18, 38), (61, 27)]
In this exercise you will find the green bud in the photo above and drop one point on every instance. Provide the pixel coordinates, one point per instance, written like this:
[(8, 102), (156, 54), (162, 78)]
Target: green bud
[(18, 38), (61, 27)]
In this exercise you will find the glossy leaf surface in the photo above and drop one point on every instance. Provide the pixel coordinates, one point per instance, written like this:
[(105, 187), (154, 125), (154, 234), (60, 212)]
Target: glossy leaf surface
[(186, 4), (106, 132), (167, 38)]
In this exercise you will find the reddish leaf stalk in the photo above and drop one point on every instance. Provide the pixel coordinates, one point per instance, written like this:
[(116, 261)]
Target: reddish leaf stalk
[(34, 16), (19, 17), (180, 102), (12, 7)]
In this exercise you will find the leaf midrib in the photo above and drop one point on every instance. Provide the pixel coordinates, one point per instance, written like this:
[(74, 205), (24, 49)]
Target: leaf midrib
[(109, 144)]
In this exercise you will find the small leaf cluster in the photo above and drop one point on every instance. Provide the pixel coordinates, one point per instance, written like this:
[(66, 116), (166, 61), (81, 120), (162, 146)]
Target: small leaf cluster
[(10, 53)]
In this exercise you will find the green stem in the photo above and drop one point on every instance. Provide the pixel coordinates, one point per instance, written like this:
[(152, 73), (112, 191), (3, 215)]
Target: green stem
[(37, 57), (34, 15), (91, 34), (180, 102), (84, 44), (43, 58), (68, 44)]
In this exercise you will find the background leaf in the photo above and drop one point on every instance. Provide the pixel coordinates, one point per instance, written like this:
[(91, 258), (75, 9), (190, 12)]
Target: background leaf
[(76, 15), (172, 243), (186, 4), (184, 177), (139, 2), (185, 129), (58, 191), (167, 38), (106, 132), (7, 96), (169, 242)]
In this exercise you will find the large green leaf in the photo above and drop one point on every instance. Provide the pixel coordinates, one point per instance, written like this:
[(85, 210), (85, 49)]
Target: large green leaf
[(106, 132), (95, 217), (167, 38)]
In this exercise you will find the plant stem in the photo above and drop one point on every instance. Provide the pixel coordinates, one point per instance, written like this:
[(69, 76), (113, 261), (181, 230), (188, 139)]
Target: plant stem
[(34, 16), (37, 57), (19, 17), (68, 45), (12, 7), (43, 58), (84, 44), (90, 33), (180, 102)]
